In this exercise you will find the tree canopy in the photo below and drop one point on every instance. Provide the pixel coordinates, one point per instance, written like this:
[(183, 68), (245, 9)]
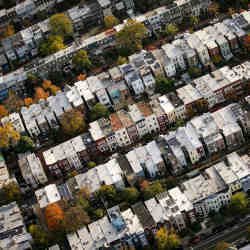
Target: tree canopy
[(152, 190), (8, 136), (73, 122), (163, 85), (61, 25), (40, 94), (167, 239), (13, 103), (171, 29), (52, 45), (91, 164), (247, 42), (130, 194), (39, 236), (222, 246), (131, 36), (121, 60), (107, 192), (239, 203), (98, 111), (3, 111), (81, 60), (54, 216), (11, 192), (110, 21), (25, 144)]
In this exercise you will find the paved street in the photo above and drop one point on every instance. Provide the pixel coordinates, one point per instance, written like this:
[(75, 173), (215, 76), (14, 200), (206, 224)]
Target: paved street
[(228, 235)]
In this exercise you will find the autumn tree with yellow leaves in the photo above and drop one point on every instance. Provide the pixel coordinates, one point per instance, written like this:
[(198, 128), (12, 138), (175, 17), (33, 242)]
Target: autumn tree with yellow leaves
[(9, 30), (61, 25), (131, 36), (40, 94), (3, 111), (167, 239), (8, 136), (52, 45), (110, 21), (73, 122), (28, 101), (47, 85)]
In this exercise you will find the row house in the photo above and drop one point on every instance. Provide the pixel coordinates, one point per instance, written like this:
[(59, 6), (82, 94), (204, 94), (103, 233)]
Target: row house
[(135, 164), (159, 113), (207, 192), (229, 127), (108, 132), (209, 133), (189, 139), (98, 136), (168, 108), (120, 131), (47, 195), (65, 157), (4, 173), (129, 125), (32, 169), (150, 118), (14, 233), (191, 98)]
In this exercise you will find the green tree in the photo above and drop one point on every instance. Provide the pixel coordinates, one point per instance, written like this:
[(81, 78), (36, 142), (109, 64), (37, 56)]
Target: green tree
[(91, 164), (131, 36), (25, 144), (121, 60), (99, 213), (152, 190), (180, 123), (98, 111), (222, 246), (110, 21), (171, 29), (11, 192), (39, 236), (81, 60), (163, 85), (130, 194), (194, 71), (239, 203), (52, 45), (107, 192), (167, 240), (193, 20), (61, 25)]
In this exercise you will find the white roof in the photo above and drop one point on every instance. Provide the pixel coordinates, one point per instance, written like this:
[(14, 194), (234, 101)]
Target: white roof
[(166, 105), (135, 113), (188, 94), (96, 131), (154, 151), (97, 234), (134, 162), (156, 210)]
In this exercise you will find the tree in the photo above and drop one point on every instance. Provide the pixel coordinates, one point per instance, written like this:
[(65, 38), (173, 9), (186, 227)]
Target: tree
[(131, 36), (247, 42), (28, 101), (8, 136), (85, 193), (72, 174), (222, 246), (110, 21), (40, 94), (239, 203), (81, 60), (9, 30), (163, 85), (121, 60), (3, 111), (74, 219), (25, 144), (107, 192), (171, 29), (91, 164), (11, 192), (216, 59), (130, 194), (13, 103), (54, 216), (167, 240), (54, 89), (81, 77), (194, 71), (231, 11), (194, 20), (99, 213), (98, 111), (39, 236), (52, 45), (73, 122), (61, 25), (46, 84), (152, 190), (213, 9)]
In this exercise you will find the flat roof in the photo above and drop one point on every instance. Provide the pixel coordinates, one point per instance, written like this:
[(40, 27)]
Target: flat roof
[(115, 122)]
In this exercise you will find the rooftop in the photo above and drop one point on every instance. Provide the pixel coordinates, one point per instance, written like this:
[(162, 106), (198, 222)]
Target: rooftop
[(125, 118), (96, 131), (115, 122), (188, 94), (144, 109), (166, 105), (134, 162)]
